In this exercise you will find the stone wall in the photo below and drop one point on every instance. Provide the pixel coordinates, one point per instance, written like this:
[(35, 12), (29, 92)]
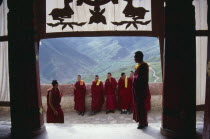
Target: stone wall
[(67, 102)]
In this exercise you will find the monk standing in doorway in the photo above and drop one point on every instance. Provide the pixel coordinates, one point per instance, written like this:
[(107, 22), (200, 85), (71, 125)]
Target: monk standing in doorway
[(54, 111), (123, 94), (110, 87), (97, 91), (79, 96), (141, 91)]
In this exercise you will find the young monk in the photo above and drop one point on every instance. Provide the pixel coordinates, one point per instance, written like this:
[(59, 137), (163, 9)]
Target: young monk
[(97, 95), (54, 111), (79, 96), (123, 94), (130, 83), (141, 91), (110, 87)]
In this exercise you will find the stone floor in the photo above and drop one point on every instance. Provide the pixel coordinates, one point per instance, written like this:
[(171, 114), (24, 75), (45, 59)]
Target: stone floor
[(100, 126)]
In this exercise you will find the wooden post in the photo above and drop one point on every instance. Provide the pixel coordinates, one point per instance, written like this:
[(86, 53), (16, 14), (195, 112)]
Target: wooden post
[(206, 130), (179, 82), (26, 105)]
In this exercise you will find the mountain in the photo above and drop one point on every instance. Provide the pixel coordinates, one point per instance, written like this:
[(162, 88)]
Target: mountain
[(61, 62), (64, 58)]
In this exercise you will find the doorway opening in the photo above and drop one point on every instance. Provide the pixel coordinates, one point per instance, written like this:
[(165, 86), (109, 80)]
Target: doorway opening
[(63, 59)]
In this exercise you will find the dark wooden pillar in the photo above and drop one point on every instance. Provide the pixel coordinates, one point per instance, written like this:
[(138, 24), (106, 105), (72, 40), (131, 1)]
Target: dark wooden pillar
[(26, 106), (206, 130), (179, 91)]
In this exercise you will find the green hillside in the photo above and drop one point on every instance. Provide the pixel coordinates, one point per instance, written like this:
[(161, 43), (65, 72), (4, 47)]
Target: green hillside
[(64, 58)]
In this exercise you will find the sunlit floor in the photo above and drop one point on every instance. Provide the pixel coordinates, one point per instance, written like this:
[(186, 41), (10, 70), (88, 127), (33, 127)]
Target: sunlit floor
[(100, 126)]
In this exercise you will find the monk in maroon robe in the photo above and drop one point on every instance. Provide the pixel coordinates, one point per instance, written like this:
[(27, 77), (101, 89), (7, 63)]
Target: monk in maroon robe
[(141, 91), (97, 95), (123, 94), (79, 96), (54, 111), (110, 87), (130, 80)]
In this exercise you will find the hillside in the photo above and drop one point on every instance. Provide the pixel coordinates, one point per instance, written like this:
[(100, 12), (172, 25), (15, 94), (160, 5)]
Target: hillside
[(64, 58)]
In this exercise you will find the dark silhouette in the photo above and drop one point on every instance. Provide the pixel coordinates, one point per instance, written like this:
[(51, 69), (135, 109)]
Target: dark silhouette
[(97, 16), (65, 24), (141, 93), (95, 2), (66, 12), (1, 1), (97, 13), (129, 23), (135, 12), (60, 14)]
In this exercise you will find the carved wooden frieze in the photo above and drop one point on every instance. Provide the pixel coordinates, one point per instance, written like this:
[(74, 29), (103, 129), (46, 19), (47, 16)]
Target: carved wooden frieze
[(98, 15)]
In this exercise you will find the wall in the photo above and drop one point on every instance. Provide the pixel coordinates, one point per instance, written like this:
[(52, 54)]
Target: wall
[(67, 102)]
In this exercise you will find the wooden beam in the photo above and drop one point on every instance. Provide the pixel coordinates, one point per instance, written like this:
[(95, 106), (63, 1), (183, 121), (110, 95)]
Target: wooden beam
[(99, 33), (3, 38), (5, 103), (200, 107), (201, 32)]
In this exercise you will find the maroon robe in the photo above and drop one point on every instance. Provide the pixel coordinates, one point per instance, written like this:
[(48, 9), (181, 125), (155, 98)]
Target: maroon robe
[(97, 96), (130, 84), (110, 93), (56, 99), (141, 94), (124, 96), (79, 97)]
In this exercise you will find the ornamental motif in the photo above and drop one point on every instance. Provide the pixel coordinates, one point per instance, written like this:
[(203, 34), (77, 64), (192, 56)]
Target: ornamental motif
[(97, 14)]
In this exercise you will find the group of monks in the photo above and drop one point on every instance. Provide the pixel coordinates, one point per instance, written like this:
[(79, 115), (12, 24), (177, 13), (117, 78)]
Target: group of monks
[(132, 95), (99, 90)]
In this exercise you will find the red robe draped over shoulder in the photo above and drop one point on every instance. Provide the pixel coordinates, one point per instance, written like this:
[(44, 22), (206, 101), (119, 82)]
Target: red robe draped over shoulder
[(79, 96), (56, 99), (130, 84), (110, 93), (97, 96), (141, 94), (124, 96)]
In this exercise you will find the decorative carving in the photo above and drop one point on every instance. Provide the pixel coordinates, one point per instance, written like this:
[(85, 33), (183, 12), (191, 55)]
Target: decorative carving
[(134, 12), (95, 2), (134, 23), (60, 14), (70, 24), (97, 14), (130, 11)]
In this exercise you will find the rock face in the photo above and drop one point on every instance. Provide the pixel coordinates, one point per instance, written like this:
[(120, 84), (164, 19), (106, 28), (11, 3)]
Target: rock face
[(67, 102)]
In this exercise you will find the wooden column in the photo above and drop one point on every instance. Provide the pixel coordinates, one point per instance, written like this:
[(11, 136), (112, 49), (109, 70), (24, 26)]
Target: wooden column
[(179, 89), (206, 130), (26, 105)]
